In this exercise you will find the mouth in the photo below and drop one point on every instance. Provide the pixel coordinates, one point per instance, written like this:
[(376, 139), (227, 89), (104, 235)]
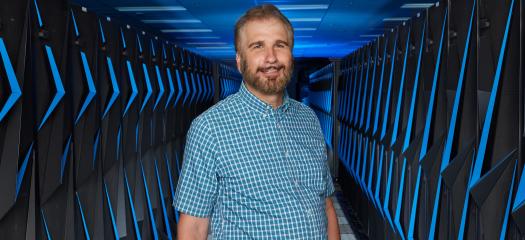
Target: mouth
[(271, 72)]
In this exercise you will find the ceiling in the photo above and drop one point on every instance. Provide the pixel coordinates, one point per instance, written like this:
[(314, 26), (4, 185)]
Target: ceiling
[(323, 28)]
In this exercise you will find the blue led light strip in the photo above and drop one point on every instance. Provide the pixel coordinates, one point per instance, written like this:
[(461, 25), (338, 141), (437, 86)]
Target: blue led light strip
[(114, 85), (86, 233), (387, 102), (16, 92), (148, 86), (414, 90), (410, 234), (379, 90), (113, 223), (164, 212), (131, 206), (134, 90), (400, 94), (59, 87), (148, 201), (372, 88), (91, 86), (452, 126), (480, 157)]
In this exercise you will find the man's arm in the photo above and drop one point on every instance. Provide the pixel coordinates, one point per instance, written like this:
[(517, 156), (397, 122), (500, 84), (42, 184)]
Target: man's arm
[(333, 225), (192, 228)]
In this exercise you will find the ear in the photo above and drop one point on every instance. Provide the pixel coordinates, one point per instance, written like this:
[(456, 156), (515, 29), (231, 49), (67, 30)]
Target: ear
[(238, 60)]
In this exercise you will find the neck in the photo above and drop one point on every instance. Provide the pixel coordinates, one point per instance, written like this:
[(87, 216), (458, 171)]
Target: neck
[(275, 100)]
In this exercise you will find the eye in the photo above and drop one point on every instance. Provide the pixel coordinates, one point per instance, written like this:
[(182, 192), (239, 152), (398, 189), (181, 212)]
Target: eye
[(257, 46)]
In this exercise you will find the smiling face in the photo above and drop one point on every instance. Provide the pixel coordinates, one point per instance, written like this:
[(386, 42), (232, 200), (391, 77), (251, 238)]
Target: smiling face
[(265, 56)]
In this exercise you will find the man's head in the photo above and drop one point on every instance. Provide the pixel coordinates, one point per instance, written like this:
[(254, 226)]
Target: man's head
[(264, 43)]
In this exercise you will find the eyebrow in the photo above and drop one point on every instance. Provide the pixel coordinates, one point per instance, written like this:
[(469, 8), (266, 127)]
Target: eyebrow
[(261, 42), (253, 43)]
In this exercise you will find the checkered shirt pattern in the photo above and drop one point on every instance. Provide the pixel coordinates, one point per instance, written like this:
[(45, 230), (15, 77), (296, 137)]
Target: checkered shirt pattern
[(258, 172)]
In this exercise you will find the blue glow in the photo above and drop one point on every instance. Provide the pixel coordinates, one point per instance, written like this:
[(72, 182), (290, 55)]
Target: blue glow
[(364, 91), (389, 88), (148, 86), (490, 108), (91, 86), (372, 88), (131, 206), (520, 195), (378, 104), (39, 24), (168, 168), (116, 90), (193, 85), (180, 89), (503, 232), (16, 92), (118, 143), (400, 201), (378, 182), (186, 84), (123, 39), (451, 128), (86, 233), (161, 192), (358, 99), (414, 91), (45, 224), (22, 171), (153, 52), (113, 224), (60, 92), (148, 201), (139, 43), (95, 148), (354, 89), (103, 37), (74, 23), (387, 194), (400, 95), (134, 90), (161, 87), (64, 158), (430, 111), (172, 88)]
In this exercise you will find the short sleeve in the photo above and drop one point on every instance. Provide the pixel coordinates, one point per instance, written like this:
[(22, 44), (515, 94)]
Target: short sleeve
[(197, 186), (329, 187)]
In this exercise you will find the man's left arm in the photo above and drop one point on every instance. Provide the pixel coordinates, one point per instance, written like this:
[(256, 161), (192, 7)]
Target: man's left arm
[(331, 216), (333, 225)]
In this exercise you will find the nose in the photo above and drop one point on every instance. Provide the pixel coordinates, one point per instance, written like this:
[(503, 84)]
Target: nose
[(270, 55)]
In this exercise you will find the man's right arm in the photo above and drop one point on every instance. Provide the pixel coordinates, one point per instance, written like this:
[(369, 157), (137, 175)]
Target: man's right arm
[(198, 184), (192, 228)]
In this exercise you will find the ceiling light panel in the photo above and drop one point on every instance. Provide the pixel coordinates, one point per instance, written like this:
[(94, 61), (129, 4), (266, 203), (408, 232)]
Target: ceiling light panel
[(302, 7), (186, 30), (171, 21), (417, 5), (150, 9)]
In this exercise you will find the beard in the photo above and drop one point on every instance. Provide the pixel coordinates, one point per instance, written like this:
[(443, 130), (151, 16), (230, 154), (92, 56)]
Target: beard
[(265, 85)]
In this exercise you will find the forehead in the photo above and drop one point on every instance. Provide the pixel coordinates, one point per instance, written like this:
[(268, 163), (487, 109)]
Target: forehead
[(264, 29)]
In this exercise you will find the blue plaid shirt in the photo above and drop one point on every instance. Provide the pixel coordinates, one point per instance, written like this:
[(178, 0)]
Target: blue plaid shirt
[(258, 172)]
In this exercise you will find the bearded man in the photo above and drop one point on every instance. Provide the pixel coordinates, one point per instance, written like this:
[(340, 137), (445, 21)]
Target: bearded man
[(255, 163)]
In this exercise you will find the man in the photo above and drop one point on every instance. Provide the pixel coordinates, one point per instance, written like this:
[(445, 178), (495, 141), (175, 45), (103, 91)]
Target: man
[(255, 163)]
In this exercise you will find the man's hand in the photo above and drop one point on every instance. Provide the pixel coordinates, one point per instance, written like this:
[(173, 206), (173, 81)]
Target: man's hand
[(333, 225), (192, 228)]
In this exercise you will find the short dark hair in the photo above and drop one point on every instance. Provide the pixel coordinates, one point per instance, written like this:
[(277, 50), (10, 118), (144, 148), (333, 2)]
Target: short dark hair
[(264, 11)]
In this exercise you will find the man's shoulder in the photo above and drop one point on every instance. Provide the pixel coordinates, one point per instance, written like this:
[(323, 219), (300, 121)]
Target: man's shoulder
[(302, 109), (216, 112)]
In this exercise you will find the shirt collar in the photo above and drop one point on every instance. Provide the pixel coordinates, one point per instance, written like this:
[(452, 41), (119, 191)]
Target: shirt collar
[(260, 106)]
